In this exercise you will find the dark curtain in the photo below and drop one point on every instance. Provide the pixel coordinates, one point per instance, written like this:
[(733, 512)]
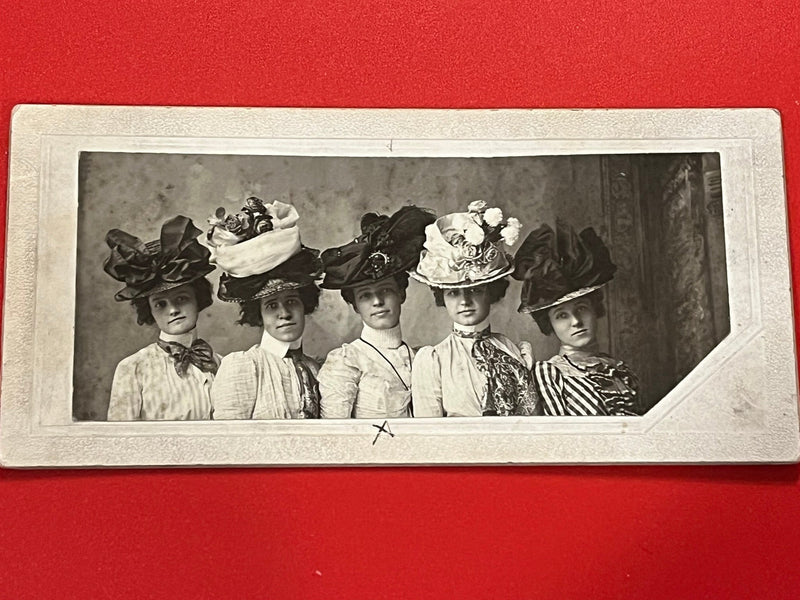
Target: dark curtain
[(668, 304)]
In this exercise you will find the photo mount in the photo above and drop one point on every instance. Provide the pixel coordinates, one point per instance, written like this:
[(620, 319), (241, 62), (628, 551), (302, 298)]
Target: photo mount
[(721, 412)]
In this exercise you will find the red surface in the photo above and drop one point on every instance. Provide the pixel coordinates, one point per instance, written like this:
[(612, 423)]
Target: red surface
[(603, 532)]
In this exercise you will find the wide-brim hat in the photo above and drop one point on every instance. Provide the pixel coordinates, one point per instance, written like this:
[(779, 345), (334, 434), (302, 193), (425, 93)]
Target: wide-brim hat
[(387, 246), (175, 259), (300, 270), (246, 257), (557, 266), (449, 260)]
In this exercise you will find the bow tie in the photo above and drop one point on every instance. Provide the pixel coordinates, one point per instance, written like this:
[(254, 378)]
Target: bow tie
[(200, 355)]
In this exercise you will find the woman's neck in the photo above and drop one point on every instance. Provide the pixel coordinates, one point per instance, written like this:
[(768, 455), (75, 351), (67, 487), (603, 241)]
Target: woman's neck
[(383, 338), (185, 339), (592, 349), (276, 346), (472, 328)]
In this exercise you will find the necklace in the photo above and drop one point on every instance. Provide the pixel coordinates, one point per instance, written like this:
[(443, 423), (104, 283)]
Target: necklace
[(390, 362)]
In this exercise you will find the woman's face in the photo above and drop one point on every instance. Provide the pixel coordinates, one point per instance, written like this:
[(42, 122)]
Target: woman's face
[(378, 303), (175, 311), (467, 306), (284, 315), (574, 323)]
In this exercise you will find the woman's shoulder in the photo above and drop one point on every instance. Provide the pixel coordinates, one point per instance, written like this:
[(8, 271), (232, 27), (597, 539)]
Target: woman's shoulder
[(502, 337), (348, 351), (505, 340), (142, 355), (240, 357), (510, 346), (346, 354), (562, 366), (429, 353)]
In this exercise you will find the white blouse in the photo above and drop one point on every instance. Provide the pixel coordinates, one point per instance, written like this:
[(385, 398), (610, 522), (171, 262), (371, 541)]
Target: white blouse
[(146, 386), (260, 383), (445, 380), (368, 378)]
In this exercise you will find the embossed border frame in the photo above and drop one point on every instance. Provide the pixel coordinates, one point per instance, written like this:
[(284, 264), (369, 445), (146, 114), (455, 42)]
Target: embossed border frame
[(738, 405)]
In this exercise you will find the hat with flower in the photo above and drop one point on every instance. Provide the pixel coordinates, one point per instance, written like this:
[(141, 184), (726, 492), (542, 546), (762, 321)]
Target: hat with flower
[(388, 245), (558, 266), (148, 268), (259, 251), (466, 249)]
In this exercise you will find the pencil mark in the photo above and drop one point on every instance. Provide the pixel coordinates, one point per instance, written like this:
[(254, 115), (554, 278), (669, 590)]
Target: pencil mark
[(382, 429)]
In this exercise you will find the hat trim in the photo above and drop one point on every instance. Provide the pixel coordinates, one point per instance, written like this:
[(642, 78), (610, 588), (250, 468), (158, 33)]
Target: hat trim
[(463, 284), (523, 308), (259, 254), (161, 286), (266, 291), (359, 282)]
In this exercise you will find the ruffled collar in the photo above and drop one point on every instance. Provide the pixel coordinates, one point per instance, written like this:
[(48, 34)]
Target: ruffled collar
[(383, 338), (184, 339), (276, 347), (581, 356), (472, 328)]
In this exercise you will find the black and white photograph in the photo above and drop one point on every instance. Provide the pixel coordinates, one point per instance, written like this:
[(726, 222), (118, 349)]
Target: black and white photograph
[(333, 287), (599, 282)]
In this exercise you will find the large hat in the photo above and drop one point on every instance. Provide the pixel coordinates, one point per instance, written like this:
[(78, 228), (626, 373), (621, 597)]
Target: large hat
[(259, 251), (388, 245), (172, 260), (557, 266), (465, 249)]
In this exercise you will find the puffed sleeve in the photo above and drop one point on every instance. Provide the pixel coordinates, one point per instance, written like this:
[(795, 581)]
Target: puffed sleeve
[(338, 385), (426, 384), (550, 384), (234, 391), (526, 350), (126, 392)]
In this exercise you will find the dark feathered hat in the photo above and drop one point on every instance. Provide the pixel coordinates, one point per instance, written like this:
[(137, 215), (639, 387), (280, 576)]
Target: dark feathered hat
[(172, 260), (557, 266), (388, 245)]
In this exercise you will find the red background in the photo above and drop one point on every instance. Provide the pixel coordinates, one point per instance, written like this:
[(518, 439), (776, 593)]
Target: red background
[(565, 532)]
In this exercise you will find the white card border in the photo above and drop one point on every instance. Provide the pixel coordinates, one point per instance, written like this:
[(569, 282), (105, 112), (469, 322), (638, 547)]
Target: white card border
[(700, 420)]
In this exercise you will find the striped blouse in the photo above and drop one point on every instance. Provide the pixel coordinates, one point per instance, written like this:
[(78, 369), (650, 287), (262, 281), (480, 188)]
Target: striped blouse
[(569, 387), (146, 387)]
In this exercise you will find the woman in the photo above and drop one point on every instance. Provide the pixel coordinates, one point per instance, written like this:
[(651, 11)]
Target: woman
[(171, 378), (371, 376), (473, 371), (563, 274), (271, 275)]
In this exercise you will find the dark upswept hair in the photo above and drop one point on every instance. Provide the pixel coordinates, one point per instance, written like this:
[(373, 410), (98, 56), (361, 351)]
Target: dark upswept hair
[(203, 293), (250, 311), (402, 283), (542, 317), (496, 290)]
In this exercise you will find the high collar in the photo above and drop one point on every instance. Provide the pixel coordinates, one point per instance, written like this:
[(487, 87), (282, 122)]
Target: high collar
[(566, 350), (277, 347), (472, 328), (184, 339), (383, 338)]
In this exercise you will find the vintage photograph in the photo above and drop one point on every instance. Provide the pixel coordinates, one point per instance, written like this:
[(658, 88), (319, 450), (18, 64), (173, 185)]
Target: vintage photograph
[(220, 286), (277, 287)]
